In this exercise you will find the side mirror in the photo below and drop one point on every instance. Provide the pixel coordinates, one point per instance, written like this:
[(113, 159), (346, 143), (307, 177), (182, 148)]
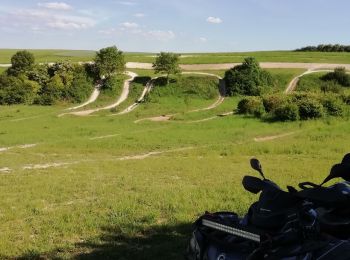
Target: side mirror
[(253, 184), (256, 165), (339, 171), (346, 159)]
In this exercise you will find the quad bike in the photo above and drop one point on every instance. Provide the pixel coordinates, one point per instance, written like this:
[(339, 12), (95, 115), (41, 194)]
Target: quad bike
[(282, 224)]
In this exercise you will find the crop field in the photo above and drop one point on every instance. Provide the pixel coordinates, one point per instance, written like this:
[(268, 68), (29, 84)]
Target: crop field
[(189, 58), (123, 187)]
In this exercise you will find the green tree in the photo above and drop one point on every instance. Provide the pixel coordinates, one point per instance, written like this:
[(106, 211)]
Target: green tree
[(22, 61), (247, 79), (109, 60), (167, 62), (14, 90)]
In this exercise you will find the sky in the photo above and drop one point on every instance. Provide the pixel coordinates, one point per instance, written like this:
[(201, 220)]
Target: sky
[(173, 25)]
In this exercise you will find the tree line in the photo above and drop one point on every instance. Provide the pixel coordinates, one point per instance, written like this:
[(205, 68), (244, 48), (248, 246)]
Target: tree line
[(326, 48), (27, 82)]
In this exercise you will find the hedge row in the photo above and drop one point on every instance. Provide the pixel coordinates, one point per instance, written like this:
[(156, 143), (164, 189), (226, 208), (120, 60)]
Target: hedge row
[(293, 107)]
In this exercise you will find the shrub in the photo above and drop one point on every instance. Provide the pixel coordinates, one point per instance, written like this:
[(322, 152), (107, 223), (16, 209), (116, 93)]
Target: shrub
[(251, 106), (14, 90), (21, 62), (333, 106), (112, 85), (287, 112), (346, 98), (339, 75), (247, 79), (271, 102), (310, 108), (331, 86)]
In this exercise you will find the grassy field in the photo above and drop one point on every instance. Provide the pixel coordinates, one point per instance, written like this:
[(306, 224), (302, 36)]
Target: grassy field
[(190, 58), (100, 187)]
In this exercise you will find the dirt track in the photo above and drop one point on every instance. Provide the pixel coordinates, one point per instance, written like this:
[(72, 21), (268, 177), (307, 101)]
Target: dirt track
[(122, 98), (225, 66)]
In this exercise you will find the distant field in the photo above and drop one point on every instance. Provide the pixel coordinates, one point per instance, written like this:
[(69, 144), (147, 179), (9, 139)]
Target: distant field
[(191, 58)]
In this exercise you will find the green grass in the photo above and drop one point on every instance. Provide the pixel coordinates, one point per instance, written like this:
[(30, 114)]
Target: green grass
[(190, 58), (101, 207), (2, 70), (92, 205)]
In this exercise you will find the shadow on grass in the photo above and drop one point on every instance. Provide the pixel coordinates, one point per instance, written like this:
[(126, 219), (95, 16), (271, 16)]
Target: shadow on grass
[(162, 242), (142, 80), (157, 242)]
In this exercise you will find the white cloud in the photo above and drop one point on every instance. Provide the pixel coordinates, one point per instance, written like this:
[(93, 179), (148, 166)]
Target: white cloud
[(161, 35), (56, 6), (129, 25), (139, 15), (127, 3), (41, 19), (212, 19), (109, 31), (203, 39)]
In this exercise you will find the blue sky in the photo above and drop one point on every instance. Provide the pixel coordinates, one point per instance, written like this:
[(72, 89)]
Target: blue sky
[(179, 25)]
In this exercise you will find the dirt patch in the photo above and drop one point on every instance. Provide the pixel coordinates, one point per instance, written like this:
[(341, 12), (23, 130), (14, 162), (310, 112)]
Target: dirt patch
[(144, 156), (103, 137), (162, 118), (21, 146), (45, 166), (272, 137), (5, 170)]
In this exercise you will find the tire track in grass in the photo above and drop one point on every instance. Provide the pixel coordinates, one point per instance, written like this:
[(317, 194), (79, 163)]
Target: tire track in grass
[(118, 134), (273, 137)]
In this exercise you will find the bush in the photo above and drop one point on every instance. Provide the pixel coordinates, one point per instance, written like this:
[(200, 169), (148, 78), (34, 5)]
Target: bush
[(21, 62), (333, 106), (346, 99), (247, 79), (331, 86), (271, 102), (310, 108), (112, 85), (287, 112), (251, 106), (339, 75), (14, 90)]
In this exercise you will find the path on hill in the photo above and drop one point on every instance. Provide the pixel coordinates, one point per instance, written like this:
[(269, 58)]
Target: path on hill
[(122, 98), (265, 65), (92, 98), (146, 90), (294, 82), (222, 94)]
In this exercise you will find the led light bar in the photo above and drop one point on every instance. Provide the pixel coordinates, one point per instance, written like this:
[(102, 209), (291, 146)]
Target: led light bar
[(231, 230)]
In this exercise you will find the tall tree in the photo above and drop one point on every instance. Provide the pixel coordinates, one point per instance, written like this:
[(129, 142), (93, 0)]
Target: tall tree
[(167, 62), (109, 60), (22, 61)]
